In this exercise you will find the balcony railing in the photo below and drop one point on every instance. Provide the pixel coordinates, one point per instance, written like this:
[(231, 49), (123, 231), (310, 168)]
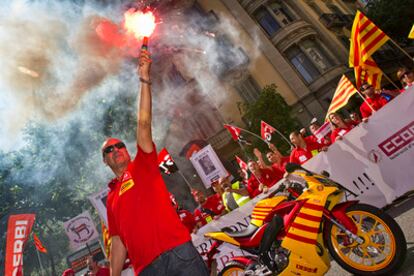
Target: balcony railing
[(335, 20)]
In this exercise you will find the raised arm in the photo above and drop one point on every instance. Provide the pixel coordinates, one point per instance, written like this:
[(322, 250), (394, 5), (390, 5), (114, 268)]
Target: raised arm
[(144, 112)]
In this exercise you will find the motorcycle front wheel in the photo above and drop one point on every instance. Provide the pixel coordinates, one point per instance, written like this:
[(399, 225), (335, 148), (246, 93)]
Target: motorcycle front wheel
[(383, 250), (233, 269)]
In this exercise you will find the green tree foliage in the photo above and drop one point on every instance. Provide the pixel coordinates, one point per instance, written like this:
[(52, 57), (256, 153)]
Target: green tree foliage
[(395, 18), (273, 109)]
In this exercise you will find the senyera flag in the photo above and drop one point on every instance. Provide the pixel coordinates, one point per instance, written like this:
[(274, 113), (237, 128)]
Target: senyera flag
[(266, 131), (38, 244), (235, 133), (368, 72), (166, 163), (18, 231), (343, 92), (366, 38), (243, 167)]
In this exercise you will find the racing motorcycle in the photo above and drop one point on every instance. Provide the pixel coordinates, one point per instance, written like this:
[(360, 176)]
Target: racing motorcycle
[(293, 237)]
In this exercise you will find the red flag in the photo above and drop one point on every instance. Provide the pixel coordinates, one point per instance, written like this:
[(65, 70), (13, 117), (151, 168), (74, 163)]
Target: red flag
[(18, 230), (266, 131), (166, 163), (243, 167), (235, 133), (38, 244)]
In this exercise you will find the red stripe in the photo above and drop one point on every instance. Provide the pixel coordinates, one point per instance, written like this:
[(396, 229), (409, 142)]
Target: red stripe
[(368, 34), (301, 239), (305, 228), (309, 217), (373, 44), (313, 206)]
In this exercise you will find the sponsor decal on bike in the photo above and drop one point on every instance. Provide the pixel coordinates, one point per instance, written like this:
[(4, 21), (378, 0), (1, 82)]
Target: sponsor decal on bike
[(307, 269), (399, 142)]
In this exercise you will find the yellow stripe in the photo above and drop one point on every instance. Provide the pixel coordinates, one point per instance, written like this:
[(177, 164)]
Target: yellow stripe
[(307, 222)]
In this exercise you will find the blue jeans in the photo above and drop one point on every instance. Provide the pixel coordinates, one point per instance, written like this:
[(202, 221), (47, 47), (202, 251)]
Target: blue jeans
[(181, 260)]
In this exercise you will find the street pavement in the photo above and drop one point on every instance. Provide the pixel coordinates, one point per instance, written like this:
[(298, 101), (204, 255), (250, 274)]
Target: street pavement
[(403, 212)]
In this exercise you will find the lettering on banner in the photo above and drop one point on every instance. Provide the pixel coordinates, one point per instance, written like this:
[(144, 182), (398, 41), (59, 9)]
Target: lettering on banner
[(226, 258), (362, 182), (19, 237), (399, 142)]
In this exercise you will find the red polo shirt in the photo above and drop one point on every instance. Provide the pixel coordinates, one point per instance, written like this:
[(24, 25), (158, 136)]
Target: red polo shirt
[(341, 131), (377, 102), (301, 155), (214, 207), (141, 214), (269, 178), (187, 218)]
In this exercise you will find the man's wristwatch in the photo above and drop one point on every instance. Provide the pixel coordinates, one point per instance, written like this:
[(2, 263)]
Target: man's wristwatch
[(145, 81)]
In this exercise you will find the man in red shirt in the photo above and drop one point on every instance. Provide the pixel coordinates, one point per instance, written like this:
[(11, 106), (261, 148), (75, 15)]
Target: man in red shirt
[(373, 101), (94, 268), (260, 180), (304, 149), (208, 209), (186, 217), (142, 221)]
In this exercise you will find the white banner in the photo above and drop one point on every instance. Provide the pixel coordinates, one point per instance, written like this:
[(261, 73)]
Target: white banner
[(98, 201), (375, 159), (208, 165), (80, 230)]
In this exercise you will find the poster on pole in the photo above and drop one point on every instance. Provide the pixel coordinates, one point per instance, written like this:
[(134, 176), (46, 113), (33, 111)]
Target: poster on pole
[(208, 165), (98, 201), (80, 230)]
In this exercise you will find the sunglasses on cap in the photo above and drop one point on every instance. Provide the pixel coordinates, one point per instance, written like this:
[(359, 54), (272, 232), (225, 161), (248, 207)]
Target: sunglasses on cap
[(111, 148)]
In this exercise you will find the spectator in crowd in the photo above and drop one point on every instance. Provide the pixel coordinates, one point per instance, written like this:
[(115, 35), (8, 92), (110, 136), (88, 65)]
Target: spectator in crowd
[(304, 149), (209, 208), (141, 220), (68, 272), (260, 179), (406, 78), (341, 127), (354, 116), (234, 195), (94, 268), (324, 141), (186, 217), (373, 101), (303, 132)]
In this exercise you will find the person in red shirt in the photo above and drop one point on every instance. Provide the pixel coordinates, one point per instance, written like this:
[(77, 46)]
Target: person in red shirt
[(304, 149), (186, 217), (94, 268), (340, 126), (260, 179), (141, 219), (373, 101), (324, 141), (208, 209)]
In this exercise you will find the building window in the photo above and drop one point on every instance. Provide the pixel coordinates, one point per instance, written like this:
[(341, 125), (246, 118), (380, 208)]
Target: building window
[(317, 54), (248, 89), (229, 56), (302, 64), (267, 21), (273, 16)]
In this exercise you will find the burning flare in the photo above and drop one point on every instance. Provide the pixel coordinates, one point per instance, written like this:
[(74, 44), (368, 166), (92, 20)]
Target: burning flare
[(138, 23)]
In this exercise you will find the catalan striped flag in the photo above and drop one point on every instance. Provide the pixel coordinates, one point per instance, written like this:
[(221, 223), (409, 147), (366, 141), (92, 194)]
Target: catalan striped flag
[(368, 72), (366, 38), (411, 34), (38, 244), (343, 92)]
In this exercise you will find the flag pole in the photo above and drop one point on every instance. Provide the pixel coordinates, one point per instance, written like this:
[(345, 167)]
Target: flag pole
[(390, 80), (359, 93), (402, 50), (185, 179), (40, 262), (254, 134)]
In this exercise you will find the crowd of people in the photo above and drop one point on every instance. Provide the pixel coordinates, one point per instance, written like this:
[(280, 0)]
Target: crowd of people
[(262, 175)]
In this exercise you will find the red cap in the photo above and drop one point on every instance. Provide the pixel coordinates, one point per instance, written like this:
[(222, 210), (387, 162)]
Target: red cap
[(68, 272)]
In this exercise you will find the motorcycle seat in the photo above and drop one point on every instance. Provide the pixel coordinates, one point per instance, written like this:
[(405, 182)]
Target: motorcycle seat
[(250, 230)]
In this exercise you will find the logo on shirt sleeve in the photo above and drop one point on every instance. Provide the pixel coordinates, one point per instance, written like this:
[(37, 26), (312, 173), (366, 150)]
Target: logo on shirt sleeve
[(126, 186)]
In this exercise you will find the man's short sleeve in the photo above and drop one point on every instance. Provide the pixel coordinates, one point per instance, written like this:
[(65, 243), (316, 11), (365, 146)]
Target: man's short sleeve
[(147, 160)]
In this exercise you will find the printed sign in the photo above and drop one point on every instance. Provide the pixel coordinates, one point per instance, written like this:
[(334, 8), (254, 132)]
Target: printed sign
[(80, 230)]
